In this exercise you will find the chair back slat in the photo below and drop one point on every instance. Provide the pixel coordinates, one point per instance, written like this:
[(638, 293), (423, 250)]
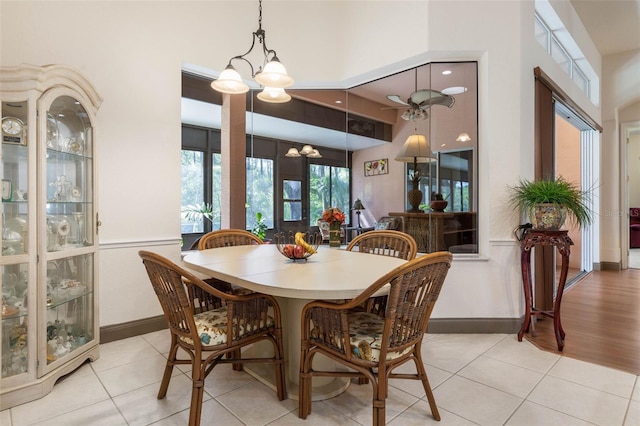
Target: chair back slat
[(412, 296), (228, 238), (386, 243), (170, 289)]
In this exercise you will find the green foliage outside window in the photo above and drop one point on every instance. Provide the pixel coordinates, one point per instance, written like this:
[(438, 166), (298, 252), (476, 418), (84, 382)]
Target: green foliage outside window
[(328, 187), (259, 190)]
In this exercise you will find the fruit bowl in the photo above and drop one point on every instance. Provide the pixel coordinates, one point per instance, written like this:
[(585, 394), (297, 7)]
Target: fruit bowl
[(297, 246)]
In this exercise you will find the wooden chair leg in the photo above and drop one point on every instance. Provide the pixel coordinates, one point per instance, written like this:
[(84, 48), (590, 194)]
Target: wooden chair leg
[(197, 392), (422, 373), (379, 400), (237, 354), (168, 369), (304, 387)]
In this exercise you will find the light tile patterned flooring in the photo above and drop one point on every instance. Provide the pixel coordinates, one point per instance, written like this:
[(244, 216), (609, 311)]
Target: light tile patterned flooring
[(478, 379)]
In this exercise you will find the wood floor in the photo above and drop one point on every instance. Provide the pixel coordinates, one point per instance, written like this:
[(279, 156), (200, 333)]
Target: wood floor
[(601, 319)]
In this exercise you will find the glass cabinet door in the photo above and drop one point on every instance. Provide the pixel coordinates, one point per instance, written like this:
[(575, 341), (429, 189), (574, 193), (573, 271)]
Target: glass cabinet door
[(69, 228), (70, 315), (69, 176), (15, 242)]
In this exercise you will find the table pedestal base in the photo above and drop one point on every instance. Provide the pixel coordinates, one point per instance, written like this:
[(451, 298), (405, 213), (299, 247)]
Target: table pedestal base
[(323, 387)]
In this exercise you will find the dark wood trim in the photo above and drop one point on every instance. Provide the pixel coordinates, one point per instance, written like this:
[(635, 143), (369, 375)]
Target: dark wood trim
[(561, 94), (544, 168), (110, 333), (607, 266), (474, 325)]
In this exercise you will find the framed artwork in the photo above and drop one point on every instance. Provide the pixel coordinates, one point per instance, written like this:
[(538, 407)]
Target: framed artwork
[(376, 167)]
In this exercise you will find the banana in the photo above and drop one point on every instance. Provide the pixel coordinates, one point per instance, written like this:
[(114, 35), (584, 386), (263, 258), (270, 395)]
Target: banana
[(299, 238)]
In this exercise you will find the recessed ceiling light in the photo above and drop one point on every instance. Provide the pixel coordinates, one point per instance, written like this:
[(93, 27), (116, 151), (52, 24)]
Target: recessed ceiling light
[(455, 90), (338, 102), (446, 72)]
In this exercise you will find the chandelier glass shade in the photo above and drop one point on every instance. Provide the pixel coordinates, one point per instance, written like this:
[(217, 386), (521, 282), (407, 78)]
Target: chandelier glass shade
[(463, 137), (307, 150)]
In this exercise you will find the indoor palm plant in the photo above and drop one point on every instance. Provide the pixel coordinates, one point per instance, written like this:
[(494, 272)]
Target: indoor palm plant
[(260, 226), (548, 202)]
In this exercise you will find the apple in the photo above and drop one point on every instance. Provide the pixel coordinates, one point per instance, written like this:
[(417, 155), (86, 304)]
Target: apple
[(288, 250), (298, 252)]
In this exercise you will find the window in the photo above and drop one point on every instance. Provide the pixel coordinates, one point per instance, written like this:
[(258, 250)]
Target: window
[(259, 190), (328, 187), (564, 53), (200, 210), (449, 176), (202, 185), (292, 199)]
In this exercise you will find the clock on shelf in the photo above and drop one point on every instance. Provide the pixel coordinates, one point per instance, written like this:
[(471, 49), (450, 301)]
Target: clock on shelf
[(13, 130)]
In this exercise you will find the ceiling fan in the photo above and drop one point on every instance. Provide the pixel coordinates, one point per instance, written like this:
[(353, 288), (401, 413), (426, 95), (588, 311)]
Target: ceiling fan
[(420, 100)]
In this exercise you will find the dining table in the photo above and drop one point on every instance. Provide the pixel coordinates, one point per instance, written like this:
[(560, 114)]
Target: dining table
[(330, 274)]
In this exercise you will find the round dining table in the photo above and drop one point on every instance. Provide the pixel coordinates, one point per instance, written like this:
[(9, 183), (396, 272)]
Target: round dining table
[(329, 274)]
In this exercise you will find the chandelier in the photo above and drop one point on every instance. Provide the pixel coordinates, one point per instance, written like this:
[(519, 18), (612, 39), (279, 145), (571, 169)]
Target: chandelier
[(273, 76), (307, 150)]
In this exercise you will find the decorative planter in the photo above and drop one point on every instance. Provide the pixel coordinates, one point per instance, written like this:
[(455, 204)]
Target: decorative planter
[(439, 205), (548, 217), (415, 198), (334, 234)]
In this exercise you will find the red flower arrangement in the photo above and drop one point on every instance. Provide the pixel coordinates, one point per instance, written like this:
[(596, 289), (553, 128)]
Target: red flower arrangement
[(333, 215)]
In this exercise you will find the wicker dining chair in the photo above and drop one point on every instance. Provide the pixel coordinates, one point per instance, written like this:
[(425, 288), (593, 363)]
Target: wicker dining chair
[(210, 335), (375, 345), (384, 243)]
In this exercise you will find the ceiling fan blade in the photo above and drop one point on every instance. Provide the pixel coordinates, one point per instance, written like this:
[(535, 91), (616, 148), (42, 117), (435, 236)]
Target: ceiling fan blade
[(396, 98), (420, 96), (444, 100)]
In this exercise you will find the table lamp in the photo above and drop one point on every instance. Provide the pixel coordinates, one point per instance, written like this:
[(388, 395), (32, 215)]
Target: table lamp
[(357, 206), (417, 150)]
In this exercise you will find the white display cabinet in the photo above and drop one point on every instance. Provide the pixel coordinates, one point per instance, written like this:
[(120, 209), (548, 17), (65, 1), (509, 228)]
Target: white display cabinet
[(49, 228)]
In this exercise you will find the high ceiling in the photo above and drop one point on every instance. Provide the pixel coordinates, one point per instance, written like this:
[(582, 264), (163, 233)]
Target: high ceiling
[(614, 25)]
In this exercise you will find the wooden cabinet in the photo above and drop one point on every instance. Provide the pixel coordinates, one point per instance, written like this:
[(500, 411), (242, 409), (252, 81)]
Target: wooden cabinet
[(437, 231), (49, 229)]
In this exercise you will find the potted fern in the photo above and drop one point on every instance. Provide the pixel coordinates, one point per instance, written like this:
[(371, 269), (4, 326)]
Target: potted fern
[(548, 202)]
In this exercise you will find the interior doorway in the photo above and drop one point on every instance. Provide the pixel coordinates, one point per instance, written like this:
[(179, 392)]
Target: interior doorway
[(572, 158), (630, 173)]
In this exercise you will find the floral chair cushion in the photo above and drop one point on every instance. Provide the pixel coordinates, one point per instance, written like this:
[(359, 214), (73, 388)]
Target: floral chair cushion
[(365, 332), (212, 327)]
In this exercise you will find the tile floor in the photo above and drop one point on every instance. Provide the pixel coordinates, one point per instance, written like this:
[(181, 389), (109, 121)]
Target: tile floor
[(478, 379)]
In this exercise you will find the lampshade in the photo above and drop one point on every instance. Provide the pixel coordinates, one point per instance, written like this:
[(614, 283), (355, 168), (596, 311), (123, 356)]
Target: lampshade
[(416, 149), (463, 137), (230, 82), (292, 153), (314, 154), (275, 95), (274, 75), (306, 150), (357, 205)]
